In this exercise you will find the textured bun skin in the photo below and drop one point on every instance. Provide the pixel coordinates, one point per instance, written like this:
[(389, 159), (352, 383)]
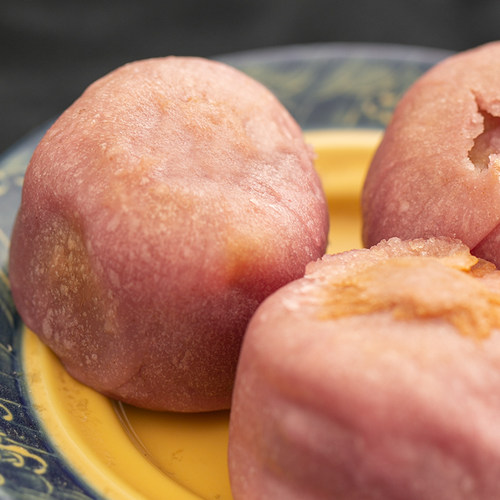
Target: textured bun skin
[(373, 377), (158, 211), (436, 172)]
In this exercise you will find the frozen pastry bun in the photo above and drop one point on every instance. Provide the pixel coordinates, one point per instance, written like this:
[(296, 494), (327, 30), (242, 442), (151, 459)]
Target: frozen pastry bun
[(436, 172), (157, 213), (373, 377)]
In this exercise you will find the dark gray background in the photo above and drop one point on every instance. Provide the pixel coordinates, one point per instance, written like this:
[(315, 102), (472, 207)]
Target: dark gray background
[(50, 50)]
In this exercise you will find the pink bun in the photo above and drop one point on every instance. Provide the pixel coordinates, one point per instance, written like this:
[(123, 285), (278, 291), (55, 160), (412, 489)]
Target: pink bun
[(159, 210), (373, 377), (436, 172)]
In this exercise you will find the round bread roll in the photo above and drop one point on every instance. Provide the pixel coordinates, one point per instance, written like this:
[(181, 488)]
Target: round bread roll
[(158, 211), (436, 172), (375, 376)]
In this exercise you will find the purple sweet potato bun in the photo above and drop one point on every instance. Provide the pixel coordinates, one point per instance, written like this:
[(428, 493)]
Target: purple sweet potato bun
[(157, 213), (376, 376), (437, 169)]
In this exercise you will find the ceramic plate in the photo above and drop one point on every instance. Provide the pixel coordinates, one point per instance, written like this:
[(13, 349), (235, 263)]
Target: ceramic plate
[(59, 439)]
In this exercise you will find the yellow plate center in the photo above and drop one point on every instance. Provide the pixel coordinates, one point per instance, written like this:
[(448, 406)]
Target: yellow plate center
[(130, 453)]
